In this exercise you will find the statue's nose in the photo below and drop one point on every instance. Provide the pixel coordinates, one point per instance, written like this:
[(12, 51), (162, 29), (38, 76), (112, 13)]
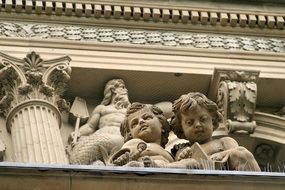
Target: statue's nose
[(141, 121), (198, 125)]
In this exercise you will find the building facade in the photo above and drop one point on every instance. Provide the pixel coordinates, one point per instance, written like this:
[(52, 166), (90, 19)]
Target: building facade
[(231, 51)]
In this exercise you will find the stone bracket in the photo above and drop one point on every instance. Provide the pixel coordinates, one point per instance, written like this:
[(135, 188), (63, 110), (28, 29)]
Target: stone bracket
[(235, 94)]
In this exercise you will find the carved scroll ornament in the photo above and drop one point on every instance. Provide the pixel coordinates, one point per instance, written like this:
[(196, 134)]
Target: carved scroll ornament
[(31, 90), (236, 99)]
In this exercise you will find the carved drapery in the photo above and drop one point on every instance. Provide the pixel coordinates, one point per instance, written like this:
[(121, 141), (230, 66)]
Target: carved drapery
[(31, 91), (236, 93)]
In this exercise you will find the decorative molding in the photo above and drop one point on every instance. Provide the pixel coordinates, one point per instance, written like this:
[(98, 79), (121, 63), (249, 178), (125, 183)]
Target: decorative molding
[(142, 37), (235, 93), (148, 13), (269, 127)]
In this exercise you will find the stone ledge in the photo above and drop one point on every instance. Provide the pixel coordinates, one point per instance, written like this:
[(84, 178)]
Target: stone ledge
[(30, 176)]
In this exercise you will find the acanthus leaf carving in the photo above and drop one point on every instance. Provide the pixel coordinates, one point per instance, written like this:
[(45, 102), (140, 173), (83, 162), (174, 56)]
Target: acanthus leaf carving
[(32, 78), (234, 90), (238, 108), (250, 92)]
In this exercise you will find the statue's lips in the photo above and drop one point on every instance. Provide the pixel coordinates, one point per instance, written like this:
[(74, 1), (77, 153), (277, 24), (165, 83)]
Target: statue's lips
[(123, 93), (199, 132), (143, 127)]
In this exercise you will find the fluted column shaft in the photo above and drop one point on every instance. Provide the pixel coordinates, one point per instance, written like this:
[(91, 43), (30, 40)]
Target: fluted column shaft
[(36, 138)]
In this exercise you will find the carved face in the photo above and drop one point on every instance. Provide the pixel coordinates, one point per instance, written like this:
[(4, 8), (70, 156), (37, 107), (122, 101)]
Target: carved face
[(121, 98), (146, 126), (197, 125), (120, 89)]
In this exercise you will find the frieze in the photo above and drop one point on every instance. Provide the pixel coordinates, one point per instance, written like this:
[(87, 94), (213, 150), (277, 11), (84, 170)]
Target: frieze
[(143, 37)]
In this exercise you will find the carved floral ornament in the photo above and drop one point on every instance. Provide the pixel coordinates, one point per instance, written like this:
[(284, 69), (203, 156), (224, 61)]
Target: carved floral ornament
[(32, 78), (31, 91), (236, 98)]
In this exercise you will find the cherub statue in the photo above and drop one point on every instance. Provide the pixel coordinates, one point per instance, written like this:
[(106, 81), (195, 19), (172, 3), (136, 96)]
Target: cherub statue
[(146, 130), (195, 119), (101, 136)]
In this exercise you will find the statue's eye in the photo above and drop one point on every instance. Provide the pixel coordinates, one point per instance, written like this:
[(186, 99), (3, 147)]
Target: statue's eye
[(203, 118), (189, 122), (134, 123), (147, 117)]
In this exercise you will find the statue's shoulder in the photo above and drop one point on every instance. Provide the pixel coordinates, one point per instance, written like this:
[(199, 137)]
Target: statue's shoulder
[(99, 108), (227, 139)]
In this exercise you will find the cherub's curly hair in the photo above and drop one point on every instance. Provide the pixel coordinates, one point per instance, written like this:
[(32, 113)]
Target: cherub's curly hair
[(188, 102), (108, 91), (135, 107)]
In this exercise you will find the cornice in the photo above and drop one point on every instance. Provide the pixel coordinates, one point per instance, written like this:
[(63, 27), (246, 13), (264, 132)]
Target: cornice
[(174, 16)]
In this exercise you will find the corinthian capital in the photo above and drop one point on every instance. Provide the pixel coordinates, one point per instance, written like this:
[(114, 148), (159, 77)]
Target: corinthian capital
[(32, 78)]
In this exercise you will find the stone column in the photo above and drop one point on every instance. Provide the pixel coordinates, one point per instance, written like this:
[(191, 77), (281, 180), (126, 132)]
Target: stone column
[(32, 109)]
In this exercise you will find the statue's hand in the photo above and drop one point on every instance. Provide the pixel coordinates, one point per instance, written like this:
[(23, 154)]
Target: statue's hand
[(72, 136), (185, 153), (220, 156), (191, 163), (122, 160)]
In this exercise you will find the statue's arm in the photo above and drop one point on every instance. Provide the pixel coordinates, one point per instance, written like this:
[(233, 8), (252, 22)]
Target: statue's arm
[(229, 143), (241, 158), (92, 124)]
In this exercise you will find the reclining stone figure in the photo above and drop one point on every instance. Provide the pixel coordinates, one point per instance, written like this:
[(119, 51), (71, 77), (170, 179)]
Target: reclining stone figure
[(101, 136)]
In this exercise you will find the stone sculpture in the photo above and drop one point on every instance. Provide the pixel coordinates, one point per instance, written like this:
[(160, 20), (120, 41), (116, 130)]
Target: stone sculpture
[(196, 117), (101, 136), (146, 131)]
